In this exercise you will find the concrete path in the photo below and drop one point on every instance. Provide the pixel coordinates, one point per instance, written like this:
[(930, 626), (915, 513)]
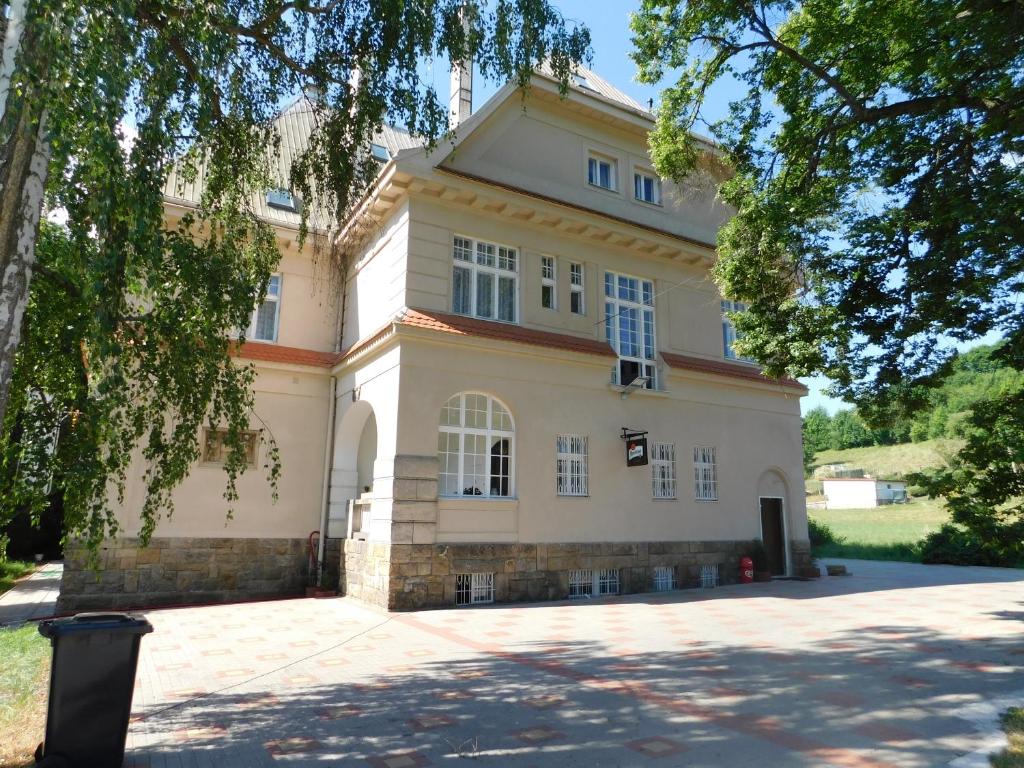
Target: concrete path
[(887, 667), (34, 597)]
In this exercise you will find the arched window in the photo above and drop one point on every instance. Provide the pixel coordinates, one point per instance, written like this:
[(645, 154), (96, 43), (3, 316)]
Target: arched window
[(474, 445)]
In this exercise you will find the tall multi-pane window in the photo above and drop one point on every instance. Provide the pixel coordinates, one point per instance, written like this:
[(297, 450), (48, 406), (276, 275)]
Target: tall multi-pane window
[(577, 304), (629, 327), (548, 283), (266, 317), (474, 447), (571, 465), (705, 474), (484, 280), (729, 334), (601, 171), (647, 188), (663, 470)]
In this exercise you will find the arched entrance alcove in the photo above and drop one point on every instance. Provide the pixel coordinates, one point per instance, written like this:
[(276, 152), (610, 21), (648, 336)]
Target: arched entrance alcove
[(773, 519), (355, 450)]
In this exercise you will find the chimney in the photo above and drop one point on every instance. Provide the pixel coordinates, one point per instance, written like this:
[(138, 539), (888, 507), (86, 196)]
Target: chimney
[(460, 100)]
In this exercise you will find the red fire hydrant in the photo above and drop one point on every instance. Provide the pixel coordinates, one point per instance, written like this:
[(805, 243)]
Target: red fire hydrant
[(746, 570)]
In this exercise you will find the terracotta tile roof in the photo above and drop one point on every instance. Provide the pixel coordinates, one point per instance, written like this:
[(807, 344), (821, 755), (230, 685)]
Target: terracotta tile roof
[(468, 326), (275, 353), (723, 368)]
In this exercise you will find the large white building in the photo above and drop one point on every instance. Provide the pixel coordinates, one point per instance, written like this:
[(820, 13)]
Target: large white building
[(512, 304)]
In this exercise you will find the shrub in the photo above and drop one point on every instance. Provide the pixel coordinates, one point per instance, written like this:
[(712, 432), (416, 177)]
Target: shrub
[(820, 533), (5, 541), (957, 546)]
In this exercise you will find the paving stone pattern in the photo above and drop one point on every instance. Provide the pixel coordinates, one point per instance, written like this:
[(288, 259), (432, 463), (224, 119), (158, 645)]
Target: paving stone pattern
[(875, 669)]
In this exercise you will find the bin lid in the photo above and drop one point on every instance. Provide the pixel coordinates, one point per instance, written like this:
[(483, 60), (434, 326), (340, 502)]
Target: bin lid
[(95, 622)]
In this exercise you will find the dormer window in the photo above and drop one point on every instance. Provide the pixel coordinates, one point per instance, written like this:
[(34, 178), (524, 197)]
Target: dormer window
[(647, 187), (380, 153), (602, 171), (580, 81), (282, 199)]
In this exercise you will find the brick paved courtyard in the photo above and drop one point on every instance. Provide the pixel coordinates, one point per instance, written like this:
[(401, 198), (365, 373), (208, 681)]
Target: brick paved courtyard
[(888, 667)]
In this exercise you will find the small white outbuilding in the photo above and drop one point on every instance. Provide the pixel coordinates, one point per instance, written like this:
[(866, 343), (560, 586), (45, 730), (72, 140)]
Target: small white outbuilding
[(862, 492)]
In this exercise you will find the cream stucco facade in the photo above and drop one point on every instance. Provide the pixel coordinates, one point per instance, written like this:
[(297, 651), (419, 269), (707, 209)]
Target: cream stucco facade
[(398, 345)]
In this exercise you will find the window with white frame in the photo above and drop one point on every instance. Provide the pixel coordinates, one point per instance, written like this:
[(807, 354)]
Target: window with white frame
[(577, 304), (646, 187), (729, 334), (474, 588), (266, 317), (548, 283), (475, 446), (571, 465), (629, 327), (663, 470), (705, 474), (602, 171), (484, 280)]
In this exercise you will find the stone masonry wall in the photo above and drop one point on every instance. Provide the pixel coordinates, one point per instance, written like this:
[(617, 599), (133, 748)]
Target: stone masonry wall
[(423, 575), (185, 570)]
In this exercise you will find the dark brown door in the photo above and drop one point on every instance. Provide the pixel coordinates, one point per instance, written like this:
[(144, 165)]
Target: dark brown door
[(773, 536)]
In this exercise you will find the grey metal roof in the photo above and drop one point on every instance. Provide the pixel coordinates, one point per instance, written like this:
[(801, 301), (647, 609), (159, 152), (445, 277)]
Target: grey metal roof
[(294, 125), (594, 83)]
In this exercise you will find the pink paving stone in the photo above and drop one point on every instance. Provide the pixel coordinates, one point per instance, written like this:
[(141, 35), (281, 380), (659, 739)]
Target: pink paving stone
[(498, 633), (886, 733), (186, 693), (296, 745), (217, 652), (340, 712), (257, 702), (470, 674), (430, 722), (272, 656), (165, 648), (545, 702), (304, 644), (370, 687), (333, 662), (399, 760), (419, 653), (358, 648), (456, 695), (251, 640), (300, 680), (174, 667), (240, 672), (538, 734), (973, 666), (657, 747), (200, 733)]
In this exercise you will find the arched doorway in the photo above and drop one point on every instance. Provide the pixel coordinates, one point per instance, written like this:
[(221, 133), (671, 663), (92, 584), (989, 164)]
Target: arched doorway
[(773, 511)]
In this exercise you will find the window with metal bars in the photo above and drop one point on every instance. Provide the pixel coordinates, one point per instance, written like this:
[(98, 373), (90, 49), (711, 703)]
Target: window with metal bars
[(705, 474), (663, 470), (571, 465), (581, 584), (664, 578), (608, 581), (484, 280), (708, 576), (474, 588)]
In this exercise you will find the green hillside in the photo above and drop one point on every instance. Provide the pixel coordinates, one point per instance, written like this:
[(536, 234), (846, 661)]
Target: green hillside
[(891, 461)]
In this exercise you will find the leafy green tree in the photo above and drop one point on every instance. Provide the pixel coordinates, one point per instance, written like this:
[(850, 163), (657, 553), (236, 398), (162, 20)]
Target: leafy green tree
[(126, 325), (848, 431), (817, 429), (879, 184)]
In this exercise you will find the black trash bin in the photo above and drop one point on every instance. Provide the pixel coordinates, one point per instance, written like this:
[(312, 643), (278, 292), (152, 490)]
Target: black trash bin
[(91, 684)]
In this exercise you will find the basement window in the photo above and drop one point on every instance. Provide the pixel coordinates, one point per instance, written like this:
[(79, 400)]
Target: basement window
[(586, 583), (474, 588), (664, 578), (708, 576)]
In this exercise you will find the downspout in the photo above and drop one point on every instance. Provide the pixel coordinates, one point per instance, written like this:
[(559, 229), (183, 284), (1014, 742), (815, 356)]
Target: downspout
[(325, 499)]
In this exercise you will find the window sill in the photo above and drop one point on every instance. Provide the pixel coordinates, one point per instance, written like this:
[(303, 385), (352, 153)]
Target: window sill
[(495, 502), (664, 498), (651, 203), (638, 390), (706, 501), (605, 190), (260, 341)]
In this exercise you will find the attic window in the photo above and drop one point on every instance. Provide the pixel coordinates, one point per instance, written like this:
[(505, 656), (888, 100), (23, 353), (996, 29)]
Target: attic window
[(281, 199), (380, 153), (581, 82)]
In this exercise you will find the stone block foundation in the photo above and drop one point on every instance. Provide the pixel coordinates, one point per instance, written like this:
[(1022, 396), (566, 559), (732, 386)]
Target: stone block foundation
[(413, 576), (187, 571)]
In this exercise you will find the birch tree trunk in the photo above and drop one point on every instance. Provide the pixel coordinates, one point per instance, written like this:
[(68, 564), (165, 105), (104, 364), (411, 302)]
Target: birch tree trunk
[(24, 164)]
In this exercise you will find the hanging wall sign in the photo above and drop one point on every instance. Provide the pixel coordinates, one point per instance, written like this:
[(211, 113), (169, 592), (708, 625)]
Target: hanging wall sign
[(636, 447)]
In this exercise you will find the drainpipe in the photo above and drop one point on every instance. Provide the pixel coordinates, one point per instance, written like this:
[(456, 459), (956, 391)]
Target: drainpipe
[(325, 499)]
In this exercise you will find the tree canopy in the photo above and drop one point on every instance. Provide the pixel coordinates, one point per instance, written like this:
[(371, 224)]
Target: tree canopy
[(126, 328), (878, 150)]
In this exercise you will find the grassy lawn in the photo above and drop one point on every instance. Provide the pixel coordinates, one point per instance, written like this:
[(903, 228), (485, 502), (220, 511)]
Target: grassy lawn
[(24, 676), (890, 461), (1012, 756), (881, 533), (11, 571)]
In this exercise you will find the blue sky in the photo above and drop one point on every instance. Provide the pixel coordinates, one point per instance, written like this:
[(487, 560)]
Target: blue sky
[(608, 21)]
